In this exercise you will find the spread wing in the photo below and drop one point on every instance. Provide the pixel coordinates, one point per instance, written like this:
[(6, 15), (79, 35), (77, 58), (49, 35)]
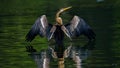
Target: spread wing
[(78, 26), (40, 27)]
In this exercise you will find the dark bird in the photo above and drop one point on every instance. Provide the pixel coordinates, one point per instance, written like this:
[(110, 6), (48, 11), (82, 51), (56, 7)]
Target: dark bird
[(75, 28)]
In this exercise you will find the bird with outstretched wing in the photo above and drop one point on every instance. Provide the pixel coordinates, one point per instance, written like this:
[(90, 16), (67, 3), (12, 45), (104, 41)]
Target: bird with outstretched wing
[(75, 28)]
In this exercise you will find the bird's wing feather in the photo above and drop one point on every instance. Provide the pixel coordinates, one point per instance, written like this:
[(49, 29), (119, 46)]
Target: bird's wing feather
[(40, 27), (78, 26)]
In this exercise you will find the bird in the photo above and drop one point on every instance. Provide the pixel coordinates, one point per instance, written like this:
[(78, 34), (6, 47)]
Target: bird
[(76, 27)]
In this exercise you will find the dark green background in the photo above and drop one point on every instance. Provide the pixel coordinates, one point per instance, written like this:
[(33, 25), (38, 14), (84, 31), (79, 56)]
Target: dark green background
[(17, 17)]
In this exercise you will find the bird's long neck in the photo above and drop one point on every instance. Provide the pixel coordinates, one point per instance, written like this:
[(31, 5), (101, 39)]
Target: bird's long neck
[(61, 63), (58, 18)]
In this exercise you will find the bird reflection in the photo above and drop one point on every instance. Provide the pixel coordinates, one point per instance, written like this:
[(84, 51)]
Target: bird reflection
[(76, 53)]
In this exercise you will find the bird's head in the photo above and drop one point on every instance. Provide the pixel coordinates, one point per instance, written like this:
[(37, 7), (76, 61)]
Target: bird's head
[(58, 18)]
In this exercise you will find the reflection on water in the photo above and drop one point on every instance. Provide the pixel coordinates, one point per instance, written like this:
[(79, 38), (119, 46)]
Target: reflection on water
[(17, 16), (76, 53)]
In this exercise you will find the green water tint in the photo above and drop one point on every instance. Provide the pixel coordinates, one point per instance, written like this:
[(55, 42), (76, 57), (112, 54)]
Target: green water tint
[(17, 17), (59, 56)]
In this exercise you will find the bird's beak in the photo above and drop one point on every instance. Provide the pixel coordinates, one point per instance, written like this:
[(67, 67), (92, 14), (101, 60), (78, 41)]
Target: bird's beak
[(66, 32), (64, 9), (67, 8)]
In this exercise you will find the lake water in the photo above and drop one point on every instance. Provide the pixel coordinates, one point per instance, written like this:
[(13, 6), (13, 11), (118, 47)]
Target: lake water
[(17, 17)]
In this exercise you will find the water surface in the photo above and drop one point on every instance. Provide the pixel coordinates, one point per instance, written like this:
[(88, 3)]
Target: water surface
[(17, 17)]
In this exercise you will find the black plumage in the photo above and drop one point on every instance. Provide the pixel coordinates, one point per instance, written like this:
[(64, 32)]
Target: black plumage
[(78, 27), (75, 28), (40, 27)]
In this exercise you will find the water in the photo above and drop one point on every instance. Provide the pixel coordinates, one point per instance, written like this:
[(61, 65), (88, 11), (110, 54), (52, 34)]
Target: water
[(16, 18)]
